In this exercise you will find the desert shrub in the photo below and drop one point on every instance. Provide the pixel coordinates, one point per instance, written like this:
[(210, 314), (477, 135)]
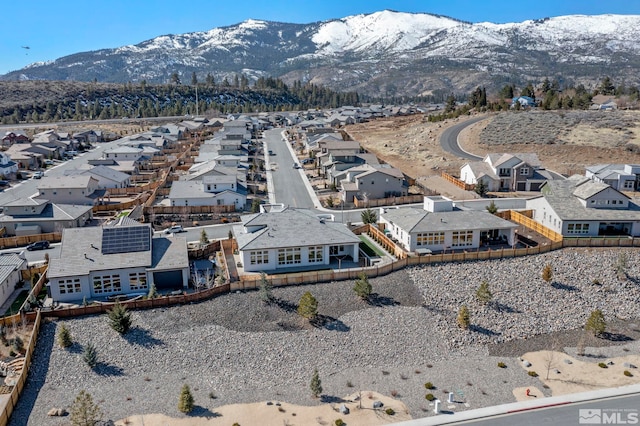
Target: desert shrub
[(532, 373), (429, 397), (602, 365), (394, 393), (628, 373), (463, 317), (429, 386), (339, 422), (596, 323), (483, 294), (64, 336), (502, 365), (316, 384), (362, 286), (349, 384), (547, 273), (389, 411)]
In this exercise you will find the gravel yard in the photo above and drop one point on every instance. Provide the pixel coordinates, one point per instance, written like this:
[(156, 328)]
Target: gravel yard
[(244, 351)]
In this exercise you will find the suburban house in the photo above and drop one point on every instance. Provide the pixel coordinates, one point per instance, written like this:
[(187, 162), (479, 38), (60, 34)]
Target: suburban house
[(278, 241), (117, 259), (82, 189), (88, 137), (107, 177), (623, 177), (438, 226), (125, 166), (209, 190), (7, 166), (506, 172), (29, 156), (11, 265), (371, 182), (123, 153), (16, 136), (580, 207), (30, 216)]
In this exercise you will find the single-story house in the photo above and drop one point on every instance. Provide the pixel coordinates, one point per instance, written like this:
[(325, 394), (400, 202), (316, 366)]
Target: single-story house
[(293, 238), (30, 216), (440, 227), (11, 265), (117, 259)]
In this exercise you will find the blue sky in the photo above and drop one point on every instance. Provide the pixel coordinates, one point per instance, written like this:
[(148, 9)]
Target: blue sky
[(56, 28)]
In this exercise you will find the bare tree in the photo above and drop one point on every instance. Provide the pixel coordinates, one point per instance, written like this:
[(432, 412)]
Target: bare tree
[(550, 358)]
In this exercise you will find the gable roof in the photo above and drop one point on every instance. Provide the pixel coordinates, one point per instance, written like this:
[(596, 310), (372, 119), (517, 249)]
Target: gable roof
[(290, 228), (419, 220)]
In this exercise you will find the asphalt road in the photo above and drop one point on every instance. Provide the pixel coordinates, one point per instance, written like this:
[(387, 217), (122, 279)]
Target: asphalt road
[(449, 139)]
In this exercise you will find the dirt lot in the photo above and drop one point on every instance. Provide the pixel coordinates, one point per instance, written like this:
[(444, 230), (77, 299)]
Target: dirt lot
[(565, 142)]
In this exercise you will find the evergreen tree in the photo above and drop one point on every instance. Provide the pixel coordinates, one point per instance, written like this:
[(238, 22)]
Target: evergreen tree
[(204, 238), (84, 412), (369, 216), (362, 286), (194, 78), (186, 402), (119, 318), (464, 320), (483, 294), (153, 292), (90, 355), (606, 87), (481, 188), (255, 205), (596, 323), (492, 208), (316, 384), (308, 306), (64, 336), (265, 289)]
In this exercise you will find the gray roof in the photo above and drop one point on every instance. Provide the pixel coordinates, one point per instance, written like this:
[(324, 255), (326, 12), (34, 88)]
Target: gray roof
[(101, 171), (418, 220), (10, 262), (482, 168), (51, 212), (55, 182), (169, 253), (560, 194), (290, 228), (195, 189)]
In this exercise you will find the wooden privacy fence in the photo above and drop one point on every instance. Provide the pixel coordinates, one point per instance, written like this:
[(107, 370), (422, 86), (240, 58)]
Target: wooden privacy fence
[(379, 237), (121, 206), (522, 219), (10, 242), (14, 396), (390, 201), (457, 182), (189, 209)]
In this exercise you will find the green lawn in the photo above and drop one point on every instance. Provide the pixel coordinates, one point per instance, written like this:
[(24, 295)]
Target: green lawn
[(370, 249), (15, 306)]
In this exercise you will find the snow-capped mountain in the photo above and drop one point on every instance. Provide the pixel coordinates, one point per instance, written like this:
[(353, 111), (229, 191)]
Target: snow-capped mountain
[(384, 53)]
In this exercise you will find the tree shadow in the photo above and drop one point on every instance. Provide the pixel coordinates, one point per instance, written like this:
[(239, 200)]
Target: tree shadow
[(376, 300), (199, 411), (142, 337), (501, 307), (285, 305), (75, 348), (566, 287), (329, 323), (108, 370), (483, 330), (330, 399), (615, 337)]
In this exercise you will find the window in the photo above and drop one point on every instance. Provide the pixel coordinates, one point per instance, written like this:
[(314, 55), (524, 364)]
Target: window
[(137, 280), (316, 254), (578, 228), (106, 284), (335, 250), (628, 184), (524, 171), (430, 238), (462, 238), (504, 172), (259, 257), (289, 256), (69, 286)]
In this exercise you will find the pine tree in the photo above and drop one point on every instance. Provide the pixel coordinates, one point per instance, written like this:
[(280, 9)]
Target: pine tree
[(153, 292), (464, 320), (547, 273), (90, 355), (362, 286), (64, 336), (84, 412), (481, 188), (204, 238), (596, 323), (185, 403), (265, 289), (492, 208), (308, 306), (316, 384), (119, 318), (369, 216), (483, 294)]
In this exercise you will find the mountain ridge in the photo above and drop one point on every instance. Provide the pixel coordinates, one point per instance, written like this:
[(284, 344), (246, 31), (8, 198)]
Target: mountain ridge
[(384, 53)]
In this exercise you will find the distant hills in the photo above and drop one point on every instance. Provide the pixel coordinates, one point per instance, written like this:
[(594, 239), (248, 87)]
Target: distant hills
[(385, 53)]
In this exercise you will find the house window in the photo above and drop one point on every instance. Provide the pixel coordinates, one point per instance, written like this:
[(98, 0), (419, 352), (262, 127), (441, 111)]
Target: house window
[(316, 254), (462, 238), (335, 250), (259, 257), (628, 184), (289, 256), (106, 284), (137, 280), (578, 228), (524, 171), (505, 172), (208, 187), (430, 238), (69, 286)]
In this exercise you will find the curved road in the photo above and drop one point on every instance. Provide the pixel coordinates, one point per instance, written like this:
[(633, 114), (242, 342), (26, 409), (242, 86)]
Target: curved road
[(449, 139)]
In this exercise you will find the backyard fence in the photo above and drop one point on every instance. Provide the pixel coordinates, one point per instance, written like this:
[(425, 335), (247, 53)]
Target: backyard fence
[(457, 182), (11, 242)]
